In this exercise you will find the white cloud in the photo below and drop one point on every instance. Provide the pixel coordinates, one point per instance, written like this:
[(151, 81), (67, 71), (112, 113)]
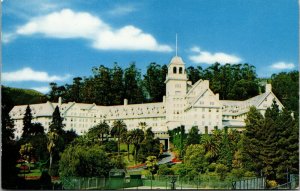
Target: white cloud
[(42, 89), (69, 24), (282, 65), (122, 10), (128, 38), (205, 57), (64, 24), (27, 74)]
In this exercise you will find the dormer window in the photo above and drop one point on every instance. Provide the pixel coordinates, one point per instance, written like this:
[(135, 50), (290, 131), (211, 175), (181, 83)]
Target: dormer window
[(180, 70), (174, 70)]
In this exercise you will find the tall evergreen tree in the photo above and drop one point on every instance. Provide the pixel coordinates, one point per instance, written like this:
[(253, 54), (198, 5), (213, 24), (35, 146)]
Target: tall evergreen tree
[(9, 148), (252, 141), (57, 122), (117, 85), (133, 85), (27, 125), (154, 82)]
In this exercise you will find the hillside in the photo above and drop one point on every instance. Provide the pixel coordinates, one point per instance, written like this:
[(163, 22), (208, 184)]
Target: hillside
[(18, 96)]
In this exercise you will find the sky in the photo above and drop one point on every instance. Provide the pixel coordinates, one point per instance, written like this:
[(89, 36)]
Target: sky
[(57, 40)]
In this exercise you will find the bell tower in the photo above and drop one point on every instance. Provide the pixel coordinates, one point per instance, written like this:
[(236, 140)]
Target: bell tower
[(176, 88)]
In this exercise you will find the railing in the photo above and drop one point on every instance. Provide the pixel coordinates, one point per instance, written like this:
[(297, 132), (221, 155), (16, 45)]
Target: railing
[(291, 185), (250, 183)]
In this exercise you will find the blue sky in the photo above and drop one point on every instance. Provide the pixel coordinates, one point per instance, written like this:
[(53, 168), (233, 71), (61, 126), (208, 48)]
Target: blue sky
[(45, 41)]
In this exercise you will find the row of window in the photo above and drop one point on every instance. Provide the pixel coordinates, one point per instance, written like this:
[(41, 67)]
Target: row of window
[(180, 70)]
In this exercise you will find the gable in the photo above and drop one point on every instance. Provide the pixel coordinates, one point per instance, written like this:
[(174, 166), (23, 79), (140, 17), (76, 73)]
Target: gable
[(268, 101), (206, 99)]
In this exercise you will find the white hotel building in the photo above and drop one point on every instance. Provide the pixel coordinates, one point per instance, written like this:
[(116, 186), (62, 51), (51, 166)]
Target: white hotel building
[(184, 104)]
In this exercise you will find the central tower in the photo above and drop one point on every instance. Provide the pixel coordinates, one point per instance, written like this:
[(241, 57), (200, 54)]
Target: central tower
[(176, 88)]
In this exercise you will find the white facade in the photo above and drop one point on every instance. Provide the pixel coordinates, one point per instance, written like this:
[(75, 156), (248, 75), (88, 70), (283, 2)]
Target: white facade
[(184, 104)]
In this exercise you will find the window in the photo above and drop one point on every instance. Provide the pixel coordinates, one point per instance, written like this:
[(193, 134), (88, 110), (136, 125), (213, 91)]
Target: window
[(174, 70), (180, 70)]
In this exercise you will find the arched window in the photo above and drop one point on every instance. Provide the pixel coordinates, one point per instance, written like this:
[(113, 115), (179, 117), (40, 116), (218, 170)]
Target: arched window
[(174, 70), (180, 70)]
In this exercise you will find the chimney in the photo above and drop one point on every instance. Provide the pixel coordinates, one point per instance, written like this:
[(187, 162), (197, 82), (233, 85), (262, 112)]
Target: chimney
[(268, 88), (217, 96), (59, 101), (125, 102)]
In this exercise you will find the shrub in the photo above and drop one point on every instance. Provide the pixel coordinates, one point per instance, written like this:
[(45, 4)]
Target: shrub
[(249, 174), (212, 167), (165, 170), (221, 170), (237, 173), (271, 183)]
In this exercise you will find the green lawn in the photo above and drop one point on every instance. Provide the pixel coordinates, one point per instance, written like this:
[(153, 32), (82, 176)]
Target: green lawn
[(123, 147), (33, 172)]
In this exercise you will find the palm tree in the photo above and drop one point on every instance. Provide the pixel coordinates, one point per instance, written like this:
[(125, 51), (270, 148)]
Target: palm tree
[(211, 146), (119, 128), (99, 131), (143, 125), (52, 144), (137, 138), (127, 138)]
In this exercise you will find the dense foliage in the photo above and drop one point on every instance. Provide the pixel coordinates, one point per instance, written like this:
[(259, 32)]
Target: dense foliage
[(84, 161), (268, 146), (286, 88), (110, 86), (271, 143)]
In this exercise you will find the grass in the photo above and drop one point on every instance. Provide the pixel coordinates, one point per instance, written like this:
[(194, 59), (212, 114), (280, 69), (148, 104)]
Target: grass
[(33, 172), (123, 147)]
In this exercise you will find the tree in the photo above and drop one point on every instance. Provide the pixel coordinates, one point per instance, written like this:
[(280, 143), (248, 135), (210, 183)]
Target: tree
[(154, 82), (69, 136), (117, 85), (53, 138), (195, 157), (137, 138), (36, 129), (84, 161), (102, 88), (193, 136), (133, 85), (194, 74), (286, 87), (221, 170), (119, 128), (27, 125), (149, 146), (57, 122), (211, 147), (251, 142), (127, 139), (143, 125), (99, 131), (26, 152), (9, 153), (165, 170), (56, 92), (152, 165), (76, 89), (276, 130)]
